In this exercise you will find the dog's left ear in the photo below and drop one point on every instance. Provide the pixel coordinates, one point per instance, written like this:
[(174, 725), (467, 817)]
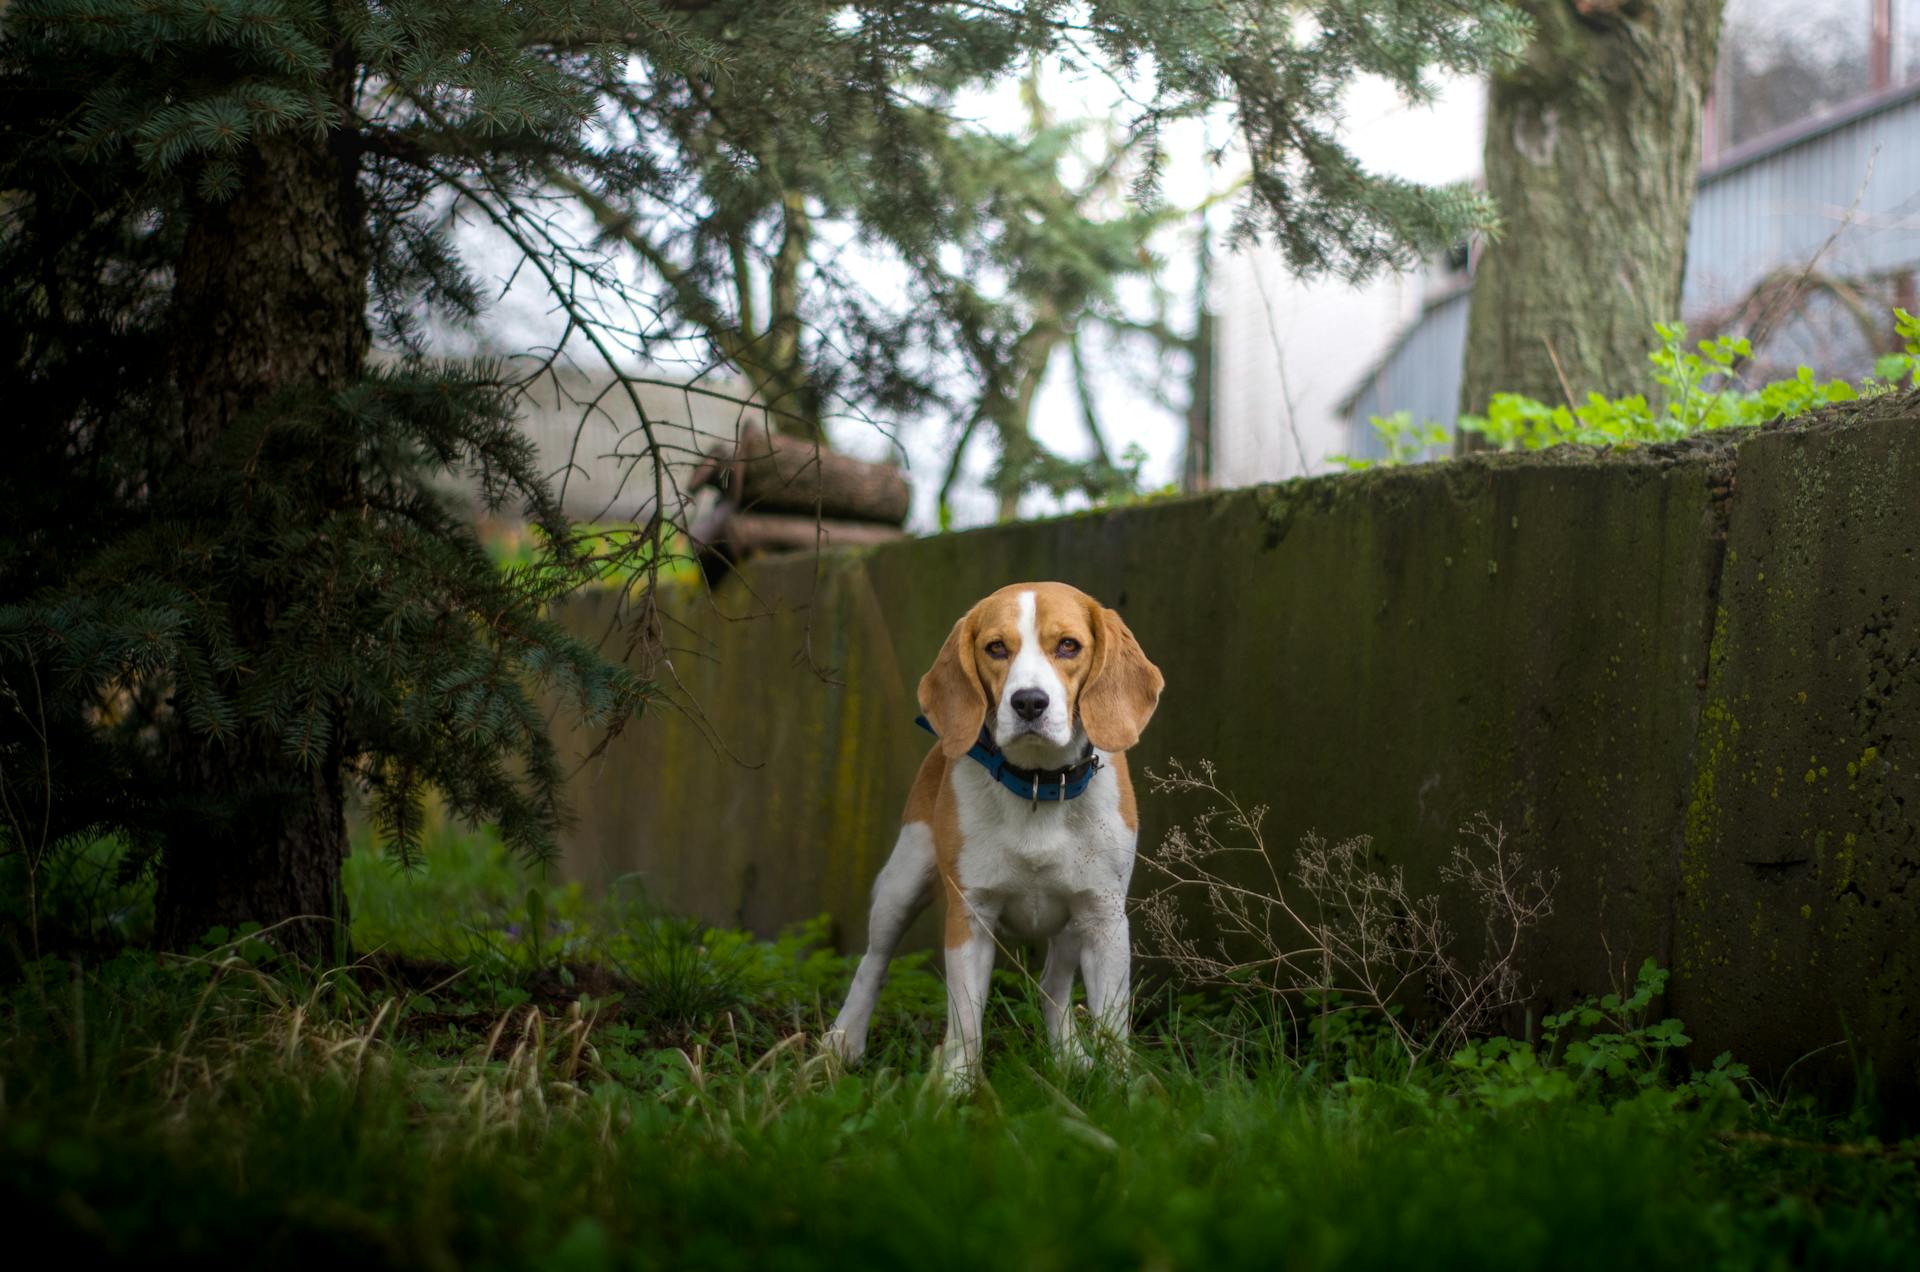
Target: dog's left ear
[(1123, 688)]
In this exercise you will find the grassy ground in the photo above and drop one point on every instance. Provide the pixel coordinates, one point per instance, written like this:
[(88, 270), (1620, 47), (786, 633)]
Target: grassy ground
[(513, 1077)]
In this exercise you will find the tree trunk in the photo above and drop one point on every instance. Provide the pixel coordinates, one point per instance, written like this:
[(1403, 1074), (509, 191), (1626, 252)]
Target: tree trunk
[(267, 847), (1196, 471), (1592, 148), (1013, 412), (270, 296), (781, 374), (272, 287)]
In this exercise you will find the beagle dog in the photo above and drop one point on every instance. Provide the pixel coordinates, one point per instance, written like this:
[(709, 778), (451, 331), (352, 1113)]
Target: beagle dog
[(1022, 813)]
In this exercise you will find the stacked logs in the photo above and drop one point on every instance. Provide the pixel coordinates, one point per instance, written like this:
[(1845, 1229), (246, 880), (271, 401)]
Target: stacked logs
[(777, 493)]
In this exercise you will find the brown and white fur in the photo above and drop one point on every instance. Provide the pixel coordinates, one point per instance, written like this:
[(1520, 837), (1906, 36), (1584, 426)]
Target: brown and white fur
[(1009, 867)]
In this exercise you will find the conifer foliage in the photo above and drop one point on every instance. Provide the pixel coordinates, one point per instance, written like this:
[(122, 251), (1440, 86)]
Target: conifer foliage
[(232, 580)]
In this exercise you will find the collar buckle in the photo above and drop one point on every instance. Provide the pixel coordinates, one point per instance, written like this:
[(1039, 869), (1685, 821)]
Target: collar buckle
[(1073, 779)]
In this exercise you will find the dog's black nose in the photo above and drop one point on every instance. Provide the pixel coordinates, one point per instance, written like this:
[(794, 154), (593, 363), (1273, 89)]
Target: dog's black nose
[(1029, 703)]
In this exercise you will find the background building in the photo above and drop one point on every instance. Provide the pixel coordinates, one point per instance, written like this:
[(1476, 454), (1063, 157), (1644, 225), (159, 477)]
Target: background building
[(1806, 230)]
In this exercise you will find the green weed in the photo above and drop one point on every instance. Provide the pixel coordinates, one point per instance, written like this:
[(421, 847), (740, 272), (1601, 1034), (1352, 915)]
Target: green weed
[(1700, 392)]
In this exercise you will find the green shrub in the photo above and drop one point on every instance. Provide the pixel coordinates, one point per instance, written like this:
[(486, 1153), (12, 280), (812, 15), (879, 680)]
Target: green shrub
[(83, 892)]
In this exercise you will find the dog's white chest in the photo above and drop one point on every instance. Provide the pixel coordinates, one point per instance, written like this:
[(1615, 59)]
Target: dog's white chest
[(1033, 865)]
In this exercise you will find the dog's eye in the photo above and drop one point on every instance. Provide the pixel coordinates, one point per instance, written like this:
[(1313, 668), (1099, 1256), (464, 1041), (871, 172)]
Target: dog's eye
[(1067, 648), (996, 649)]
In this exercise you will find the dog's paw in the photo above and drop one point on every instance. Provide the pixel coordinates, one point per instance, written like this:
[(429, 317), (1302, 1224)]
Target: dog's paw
[(958, 1076), (1103, 1051), (1071, 1055), (844, 1047)]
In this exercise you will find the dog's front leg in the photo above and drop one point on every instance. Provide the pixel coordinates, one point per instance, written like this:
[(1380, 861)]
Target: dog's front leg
[(1056, 997), (969, 975), (1106, 964), (900, 893)]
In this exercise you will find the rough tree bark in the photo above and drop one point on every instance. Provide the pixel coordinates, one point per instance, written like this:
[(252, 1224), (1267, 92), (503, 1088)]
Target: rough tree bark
[(1592, 148), (270, 296)]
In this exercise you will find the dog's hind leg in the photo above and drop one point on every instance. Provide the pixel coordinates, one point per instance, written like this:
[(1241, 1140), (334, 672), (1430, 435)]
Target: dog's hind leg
[(902, 891)]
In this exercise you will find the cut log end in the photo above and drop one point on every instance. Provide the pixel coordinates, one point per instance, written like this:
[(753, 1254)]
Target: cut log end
[(774, 473)]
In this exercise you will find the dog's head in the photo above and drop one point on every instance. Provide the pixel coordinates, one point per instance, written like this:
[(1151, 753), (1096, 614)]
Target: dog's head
[(1043, 665)]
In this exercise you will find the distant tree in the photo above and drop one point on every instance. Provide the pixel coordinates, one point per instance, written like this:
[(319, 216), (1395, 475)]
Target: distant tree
[(1042, 254), (1592, 150), (231, 579), (1061, 242)]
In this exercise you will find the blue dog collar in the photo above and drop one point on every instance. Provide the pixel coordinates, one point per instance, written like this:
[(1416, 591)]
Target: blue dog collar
[(1034, 785)]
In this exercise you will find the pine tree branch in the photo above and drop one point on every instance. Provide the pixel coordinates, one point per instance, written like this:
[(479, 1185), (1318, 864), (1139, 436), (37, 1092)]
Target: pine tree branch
[(764, 359), (590, 330)]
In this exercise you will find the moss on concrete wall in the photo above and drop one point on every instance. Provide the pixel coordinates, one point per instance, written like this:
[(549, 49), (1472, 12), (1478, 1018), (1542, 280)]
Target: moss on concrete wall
[(1688, 677), (1799, 911)]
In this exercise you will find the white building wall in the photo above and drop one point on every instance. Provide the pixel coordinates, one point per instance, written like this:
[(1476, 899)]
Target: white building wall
[(1287, 350)]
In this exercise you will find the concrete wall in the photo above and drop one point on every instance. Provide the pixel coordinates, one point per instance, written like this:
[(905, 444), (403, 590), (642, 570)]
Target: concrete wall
[(1688, 677)]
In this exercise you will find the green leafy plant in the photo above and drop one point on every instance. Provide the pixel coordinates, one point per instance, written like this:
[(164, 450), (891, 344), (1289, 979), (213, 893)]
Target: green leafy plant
[(1603, 1049), (1405, 442), (607, 555), (1700, 392), (1902, 367)]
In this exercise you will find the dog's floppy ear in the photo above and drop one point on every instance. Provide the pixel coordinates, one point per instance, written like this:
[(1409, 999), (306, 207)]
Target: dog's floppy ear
[(950, 693), (1122, 689)]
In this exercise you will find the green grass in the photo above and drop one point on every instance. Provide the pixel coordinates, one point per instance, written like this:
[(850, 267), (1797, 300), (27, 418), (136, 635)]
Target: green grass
[(629, 1090)]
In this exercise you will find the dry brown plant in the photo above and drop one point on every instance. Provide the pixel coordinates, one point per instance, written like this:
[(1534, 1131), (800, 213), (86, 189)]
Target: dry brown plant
[(1329, 925)]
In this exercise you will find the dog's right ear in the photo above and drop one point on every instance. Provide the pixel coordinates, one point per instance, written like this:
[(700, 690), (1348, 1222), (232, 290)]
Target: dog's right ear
[(950, 693)]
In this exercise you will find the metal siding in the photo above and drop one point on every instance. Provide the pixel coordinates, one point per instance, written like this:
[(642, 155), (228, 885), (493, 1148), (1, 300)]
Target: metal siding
[(1778, 211), (1420, 375)]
